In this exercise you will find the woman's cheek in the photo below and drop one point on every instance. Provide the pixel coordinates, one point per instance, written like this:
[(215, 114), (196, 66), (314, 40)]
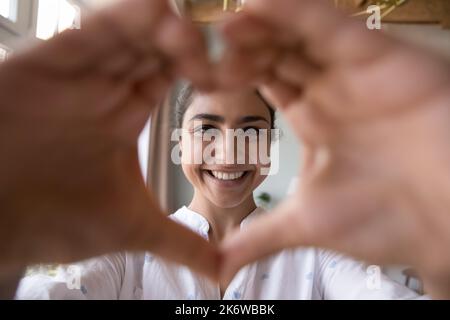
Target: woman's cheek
[(252, 149), (188, 161), (265, 154), (191, 150)]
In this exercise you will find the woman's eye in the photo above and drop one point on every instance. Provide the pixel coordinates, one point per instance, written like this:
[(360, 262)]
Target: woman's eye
[(204, 130), (251, 130)]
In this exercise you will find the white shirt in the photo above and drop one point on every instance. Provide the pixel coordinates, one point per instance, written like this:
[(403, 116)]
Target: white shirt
[(305, 273)]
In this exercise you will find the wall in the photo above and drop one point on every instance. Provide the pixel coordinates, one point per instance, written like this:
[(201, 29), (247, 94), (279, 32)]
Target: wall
[(429, 36)]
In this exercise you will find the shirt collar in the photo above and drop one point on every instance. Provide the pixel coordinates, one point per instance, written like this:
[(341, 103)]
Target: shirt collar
[(198, 223)]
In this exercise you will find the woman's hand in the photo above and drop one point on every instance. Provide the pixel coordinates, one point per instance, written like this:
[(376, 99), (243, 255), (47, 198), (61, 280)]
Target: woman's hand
[(71, 187), (373, 115)]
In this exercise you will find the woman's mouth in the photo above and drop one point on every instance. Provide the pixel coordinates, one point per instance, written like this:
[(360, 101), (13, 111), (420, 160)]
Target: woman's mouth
[(227, 175), (227, 178)]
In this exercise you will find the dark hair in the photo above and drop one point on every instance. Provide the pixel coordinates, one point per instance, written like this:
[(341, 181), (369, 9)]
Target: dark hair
[(184, 98)]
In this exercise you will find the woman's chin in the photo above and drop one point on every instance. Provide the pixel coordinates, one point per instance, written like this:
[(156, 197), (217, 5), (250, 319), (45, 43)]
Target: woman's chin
[(237, 186), (228, 193)]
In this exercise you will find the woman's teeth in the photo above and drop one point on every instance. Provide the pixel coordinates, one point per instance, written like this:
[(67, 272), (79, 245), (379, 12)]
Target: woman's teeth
[(227, 175)]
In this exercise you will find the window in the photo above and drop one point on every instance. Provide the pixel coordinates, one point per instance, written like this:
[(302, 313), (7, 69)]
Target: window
[(16, 20), (4, 52), (143, 149), (54, 16), (8, 9)]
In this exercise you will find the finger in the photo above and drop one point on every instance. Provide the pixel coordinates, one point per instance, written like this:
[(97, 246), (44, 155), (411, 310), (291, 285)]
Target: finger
[(244, 66), (142, 98), (294, 69), (307, 125), (131, 120), (184, 45), (118, 64), (346, 214), (336, 38), (281, 94), (134, 23), (154, 26), (275, 231), (154, 89), (183, 246), (249, 31), (145, 68)]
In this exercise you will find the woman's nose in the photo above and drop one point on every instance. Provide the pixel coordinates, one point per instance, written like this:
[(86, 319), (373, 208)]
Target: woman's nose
[(226, 150)]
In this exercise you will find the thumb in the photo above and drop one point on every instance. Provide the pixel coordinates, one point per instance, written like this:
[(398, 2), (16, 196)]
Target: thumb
[(172, 241), (180, 245), (277, 230)]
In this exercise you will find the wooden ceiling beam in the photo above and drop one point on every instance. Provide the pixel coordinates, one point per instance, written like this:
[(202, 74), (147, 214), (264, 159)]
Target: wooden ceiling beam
[(413, 11)]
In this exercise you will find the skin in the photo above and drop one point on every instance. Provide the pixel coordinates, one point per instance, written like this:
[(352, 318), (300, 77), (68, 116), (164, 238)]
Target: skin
[(373, 115), (71, 112)]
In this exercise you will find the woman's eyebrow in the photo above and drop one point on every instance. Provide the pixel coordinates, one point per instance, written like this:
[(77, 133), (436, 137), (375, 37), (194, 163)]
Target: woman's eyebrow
[(252, 119), (206, 116)]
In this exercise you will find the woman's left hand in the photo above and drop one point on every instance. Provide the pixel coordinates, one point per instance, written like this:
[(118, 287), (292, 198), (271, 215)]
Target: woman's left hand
[(71, 111), (374, 116)]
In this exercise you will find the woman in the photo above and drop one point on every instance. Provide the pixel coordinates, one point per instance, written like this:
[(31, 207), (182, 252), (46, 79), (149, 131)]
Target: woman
[(222, 201)]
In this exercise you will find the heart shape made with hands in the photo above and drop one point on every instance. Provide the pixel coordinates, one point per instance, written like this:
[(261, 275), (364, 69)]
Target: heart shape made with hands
[(347, 92)]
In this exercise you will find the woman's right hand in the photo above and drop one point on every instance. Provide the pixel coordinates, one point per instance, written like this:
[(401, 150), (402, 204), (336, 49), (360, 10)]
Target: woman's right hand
[(373, 115), (71, 110)]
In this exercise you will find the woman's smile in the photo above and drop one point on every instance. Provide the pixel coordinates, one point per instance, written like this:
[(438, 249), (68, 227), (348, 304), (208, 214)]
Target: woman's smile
[(228, 172), (230, 178)]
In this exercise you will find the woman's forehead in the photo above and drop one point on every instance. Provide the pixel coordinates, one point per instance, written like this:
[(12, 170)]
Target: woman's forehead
[(229, 105)]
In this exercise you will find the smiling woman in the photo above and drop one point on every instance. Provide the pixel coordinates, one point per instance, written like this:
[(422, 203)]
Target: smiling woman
[(211, 125)]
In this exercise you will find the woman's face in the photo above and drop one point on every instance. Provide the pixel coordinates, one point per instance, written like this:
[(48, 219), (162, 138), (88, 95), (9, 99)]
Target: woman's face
[(222, 169)]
